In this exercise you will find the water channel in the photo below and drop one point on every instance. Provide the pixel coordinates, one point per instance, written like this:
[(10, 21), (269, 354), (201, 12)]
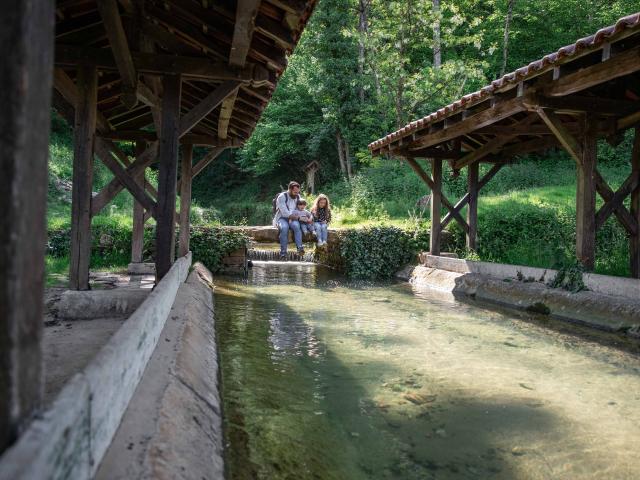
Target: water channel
[(323, 378)]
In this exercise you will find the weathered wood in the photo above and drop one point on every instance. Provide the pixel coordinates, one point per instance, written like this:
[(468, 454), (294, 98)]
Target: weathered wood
[(103, 150), (206, 160), (26, 49), (634, 239), (137, 234), (185, 199), (207, 105), (84, 135), (160, 64), (472, 210), (448, 205), (65, 86), (620, 211), (226, 111), (617, 66), (586, 198), (167, 176), (189, 138), (460, 204), (489, 175), (246, 12), (491, 115), (114, 187), (630, 184), (566, 139), (120, 48), (581, 104), (436, 208)]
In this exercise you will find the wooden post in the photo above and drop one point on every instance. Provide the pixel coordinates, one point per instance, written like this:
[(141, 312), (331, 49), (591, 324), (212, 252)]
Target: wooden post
[(586, 196), (26, 72), (185, 199), (472, 209), (83, 138), (634, 240), (167, 175), (436, 206), (137, 236)]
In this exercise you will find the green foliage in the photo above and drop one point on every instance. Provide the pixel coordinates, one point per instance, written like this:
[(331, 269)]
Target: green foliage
[(569, 277), (210, 244), (378, 252)]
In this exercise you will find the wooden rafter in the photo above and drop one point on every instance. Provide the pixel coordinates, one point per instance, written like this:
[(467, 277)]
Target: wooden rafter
[(561, 132), (207, 105)]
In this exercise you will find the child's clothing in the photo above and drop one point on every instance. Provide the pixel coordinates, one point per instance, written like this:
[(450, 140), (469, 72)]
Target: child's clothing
[(302, 215), (322, 215), (321, 218)]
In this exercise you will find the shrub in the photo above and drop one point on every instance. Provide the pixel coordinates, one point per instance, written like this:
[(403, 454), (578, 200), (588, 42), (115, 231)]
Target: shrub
[(376, 252), (211, 244)]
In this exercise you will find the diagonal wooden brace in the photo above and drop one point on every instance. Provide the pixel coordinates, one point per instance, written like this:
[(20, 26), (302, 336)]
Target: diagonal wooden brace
[(445, 201), (613, 202)]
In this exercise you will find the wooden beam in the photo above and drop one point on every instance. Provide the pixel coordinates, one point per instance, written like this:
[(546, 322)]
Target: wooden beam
[(436, 207), (634, 239), (160, 64), (26, 49), (114, 187), (491, 115), (457, 208), (167, 176), (185, 199), (84, 135), (246, 12), (489, 175), (65, 86), (189, 138), (582, 104), (137, 233), (566, 139), (207, 105), (226, 111), (615, 202), (586, 197), (617, 66), (472, 211), (103, 151), (620, 211), (120, 48)]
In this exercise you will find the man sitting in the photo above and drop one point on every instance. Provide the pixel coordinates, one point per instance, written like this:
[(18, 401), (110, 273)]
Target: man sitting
[(286, 218)]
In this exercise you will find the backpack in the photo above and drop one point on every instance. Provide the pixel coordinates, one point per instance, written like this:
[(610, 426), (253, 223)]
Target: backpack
[(274, 208)]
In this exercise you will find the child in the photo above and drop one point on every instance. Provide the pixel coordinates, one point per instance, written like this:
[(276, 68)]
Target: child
[(304, 217), (321, 211)]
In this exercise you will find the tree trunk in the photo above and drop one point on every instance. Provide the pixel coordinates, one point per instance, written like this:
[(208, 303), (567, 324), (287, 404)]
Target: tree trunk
[(347, 159), (363, 25), (340, 147), (505, 47), (437, 43)]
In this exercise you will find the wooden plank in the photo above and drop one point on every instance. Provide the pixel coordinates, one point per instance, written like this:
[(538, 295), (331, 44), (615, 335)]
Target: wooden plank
[(185, 199), (460, 204), (472, 211), (630, 184), (617, 66), (137, 234), (620, 211), (189, 138), (566, 139), (634, 239), (582, 104), (426, 179), (120, 48), (83, 139), (162, 64), (226, 111), (586, 198), (436, 207), (65, 86), (246, 12), (491, 115), (103, 151), (26, 34), (167, 176), (207, 105)]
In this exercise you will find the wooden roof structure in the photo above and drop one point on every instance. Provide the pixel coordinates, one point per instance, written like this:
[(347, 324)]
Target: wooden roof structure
[(217, 47), (584, 91)]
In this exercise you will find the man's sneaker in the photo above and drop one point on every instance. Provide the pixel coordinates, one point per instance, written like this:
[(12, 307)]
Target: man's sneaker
[(283, 256)]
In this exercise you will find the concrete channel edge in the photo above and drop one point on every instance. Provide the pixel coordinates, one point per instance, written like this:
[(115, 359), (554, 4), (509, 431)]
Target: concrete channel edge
[(69, 439)]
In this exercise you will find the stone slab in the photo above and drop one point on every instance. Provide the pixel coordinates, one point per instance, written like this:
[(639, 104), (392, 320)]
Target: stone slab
[(85, 305), (146, 268)]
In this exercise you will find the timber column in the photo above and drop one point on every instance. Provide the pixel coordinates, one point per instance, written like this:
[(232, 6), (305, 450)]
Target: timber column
[(472, 209), (26, 72), (137, 236), (586, 196), (436, 206), (634, 239), (167, 175), (83, 138), (185, 199)]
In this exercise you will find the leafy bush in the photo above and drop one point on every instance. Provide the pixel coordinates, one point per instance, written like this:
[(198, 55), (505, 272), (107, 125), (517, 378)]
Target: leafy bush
[(211, 244), (377, 252)]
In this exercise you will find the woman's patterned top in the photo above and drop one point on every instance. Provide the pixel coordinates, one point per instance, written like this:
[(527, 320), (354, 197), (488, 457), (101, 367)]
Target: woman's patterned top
[(322, 215)]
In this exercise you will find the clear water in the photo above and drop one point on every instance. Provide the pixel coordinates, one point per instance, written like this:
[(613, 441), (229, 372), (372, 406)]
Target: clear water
[(323, 379)]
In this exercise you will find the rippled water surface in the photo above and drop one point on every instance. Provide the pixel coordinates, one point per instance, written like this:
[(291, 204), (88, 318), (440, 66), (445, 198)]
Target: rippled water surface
[(326, 379)]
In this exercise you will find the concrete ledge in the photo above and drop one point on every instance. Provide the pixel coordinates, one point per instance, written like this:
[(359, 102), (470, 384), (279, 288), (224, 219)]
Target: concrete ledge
[(85, 305), (605, 312), (141, 269), (173, 425), (605, 284), (70, 438)]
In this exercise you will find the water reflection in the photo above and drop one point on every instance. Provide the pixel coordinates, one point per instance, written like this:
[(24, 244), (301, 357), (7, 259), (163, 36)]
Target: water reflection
[(324, 378)]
